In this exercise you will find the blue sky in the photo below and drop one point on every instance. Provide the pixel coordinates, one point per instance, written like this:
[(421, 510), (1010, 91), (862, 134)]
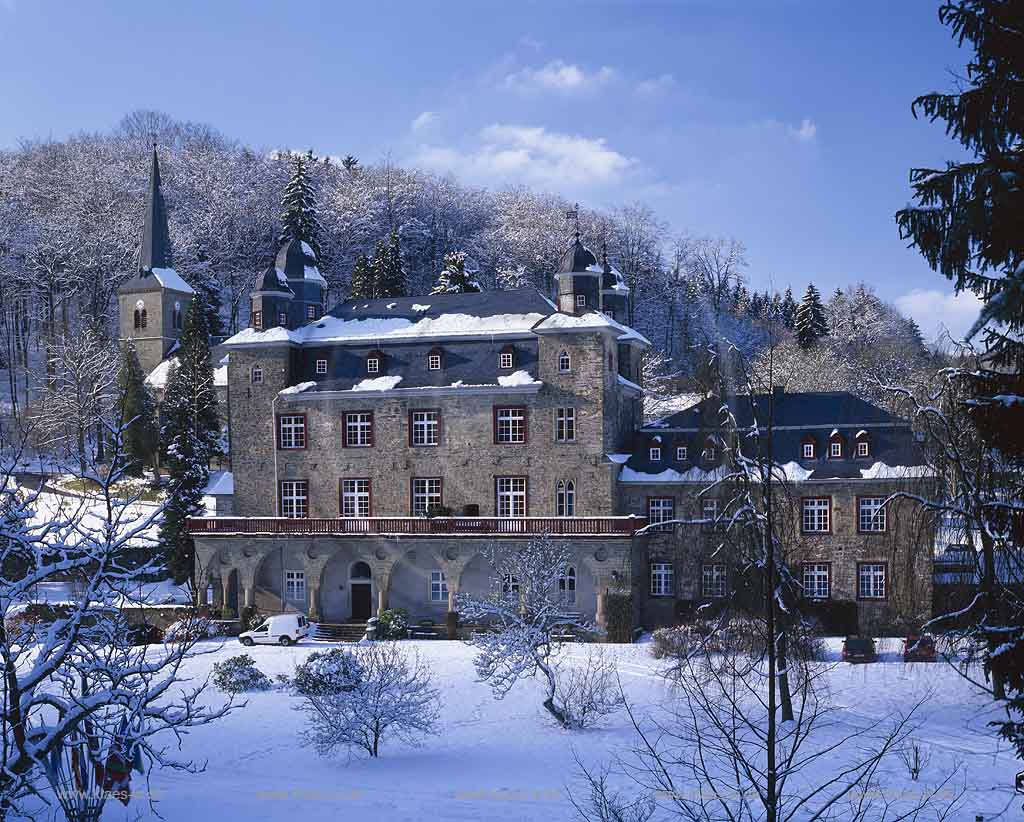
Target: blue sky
[(784, 123)]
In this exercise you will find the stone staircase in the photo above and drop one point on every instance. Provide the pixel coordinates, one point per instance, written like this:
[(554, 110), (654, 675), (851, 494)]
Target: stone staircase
[(335, 632)]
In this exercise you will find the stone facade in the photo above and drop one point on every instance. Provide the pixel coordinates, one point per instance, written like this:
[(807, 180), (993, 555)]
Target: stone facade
[(153, 342)]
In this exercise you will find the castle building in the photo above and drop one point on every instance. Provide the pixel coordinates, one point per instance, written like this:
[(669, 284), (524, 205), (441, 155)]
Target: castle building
[(379, 448)]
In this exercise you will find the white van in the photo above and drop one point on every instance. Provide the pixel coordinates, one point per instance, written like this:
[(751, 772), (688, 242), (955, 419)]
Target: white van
[(283, 629)]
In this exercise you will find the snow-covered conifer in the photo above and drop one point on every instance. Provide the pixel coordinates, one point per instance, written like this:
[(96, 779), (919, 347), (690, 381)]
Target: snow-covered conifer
[(364, 282), (454, 279), (138, 412), (810, 318), (300, 219), (388, 268)]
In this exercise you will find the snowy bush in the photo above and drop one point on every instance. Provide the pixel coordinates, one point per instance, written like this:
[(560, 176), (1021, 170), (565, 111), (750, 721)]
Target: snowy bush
[(238, 675), (191, 629), (393, 624), (327, 672), (392, 697), (588, 690)]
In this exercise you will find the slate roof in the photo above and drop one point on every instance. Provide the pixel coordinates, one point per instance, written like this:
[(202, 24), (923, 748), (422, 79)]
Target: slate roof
[(292, 259), (797, 417), (434, 306), (271, 281), (577, 259)]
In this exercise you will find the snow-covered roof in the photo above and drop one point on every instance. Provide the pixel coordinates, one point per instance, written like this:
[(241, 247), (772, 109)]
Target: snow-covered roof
[(169, 278), (158, 376), (297, 389), (590, 321), (378, 383), (517, 378)]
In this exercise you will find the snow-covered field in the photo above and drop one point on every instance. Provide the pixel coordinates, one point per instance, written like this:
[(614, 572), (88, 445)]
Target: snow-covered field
[(504, 760)]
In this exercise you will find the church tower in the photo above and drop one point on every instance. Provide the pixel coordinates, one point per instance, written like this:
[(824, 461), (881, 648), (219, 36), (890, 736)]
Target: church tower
[(152, 304)]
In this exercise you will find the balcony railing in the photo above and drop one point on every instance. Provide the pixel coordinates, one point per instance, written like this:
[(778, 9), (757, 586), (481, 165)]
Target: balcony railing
[(421, 526)]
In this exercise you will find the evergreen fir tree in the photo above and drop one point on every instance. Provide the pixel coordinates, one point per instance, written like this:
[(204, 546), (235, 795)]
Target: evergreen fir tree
[(364, 285), (788, 309), (349, 163), (454, 279), (299, 218), (191, 435), (138, 411), (388, 270), (810, 319)]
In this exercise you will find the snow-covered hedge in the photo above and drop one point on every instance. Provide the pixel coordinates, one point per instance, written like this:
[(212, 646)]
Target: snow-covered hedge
[(239, 675), (327, 672), (191, 629)]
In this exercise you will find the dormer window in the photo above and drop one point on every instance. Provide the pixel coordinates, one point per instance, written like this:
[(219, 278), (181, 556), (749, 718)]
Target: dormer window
[(506, 359), (863, 445), (435, 359), (808, 448), (710, 451), (835, 446), (655, 453), (372, 365), (321, 367), (581, 300), (681, 453), (564, 362)]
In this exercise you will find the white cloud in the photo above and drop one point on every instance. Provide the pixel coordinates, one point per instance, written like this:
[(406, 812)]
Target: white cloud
[(655, 85), (806, 132), (940, 311), (424, 120), (530, 154), (558, 76)]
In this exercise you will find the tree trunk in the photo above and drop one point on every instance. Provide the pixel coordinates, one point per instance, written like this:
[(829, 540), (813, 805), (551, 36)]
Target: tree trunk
[(785, 696)]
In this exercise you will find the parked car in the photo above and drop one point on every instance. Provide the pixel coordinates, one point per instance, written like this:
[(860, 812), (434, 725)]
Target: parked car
[(919, 648), (859, 649), (283, 629)]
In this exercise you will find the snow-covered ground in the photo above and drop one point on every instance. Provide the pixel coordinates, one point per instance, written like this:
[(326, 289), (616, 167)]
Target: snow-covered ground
[(504, 760)]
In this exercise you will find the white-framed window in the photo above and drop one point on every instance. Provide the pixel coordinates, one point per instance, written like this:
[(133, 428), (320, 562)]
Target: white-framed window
[(256, 375), (808, 450), (565, 424), (505, 360), (282, 318), (655, 453), (359, 429), (714, 580), (862, 448), (426, 428), (681, 453), (662, 579), (816, 515), (355, 497), (835, 448), (321, 366), (509, 585), (709, 511), (871, 514), (581, 299), (433, 362), (426, 493), (438, 587), (310, 312), (565, 498), (510, 425), (295, 499), (817, 580), (871, 581), (511, 496), (567, 586), (661, 509), (373, 365), (295, 586), (292, 430), (564, 362)]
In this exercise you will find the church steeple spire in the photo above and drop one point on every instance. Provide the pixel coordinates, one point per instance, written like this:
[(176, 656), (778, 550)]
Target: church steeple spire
[(155, 251)]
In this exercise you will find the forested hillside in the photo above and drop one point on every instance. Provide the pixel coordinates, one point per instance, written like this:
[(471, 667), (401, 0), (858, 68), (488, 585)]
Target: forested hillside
[(70, 214)]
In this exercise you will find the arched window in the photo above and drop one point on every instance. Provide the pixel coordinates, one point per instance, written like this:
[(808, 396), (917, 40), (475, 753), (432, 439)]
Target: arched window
[(360, 570), (567, 585), (565, 498), (143, 318), (176, 316), (138, 319), (140, 314), (564, 362)]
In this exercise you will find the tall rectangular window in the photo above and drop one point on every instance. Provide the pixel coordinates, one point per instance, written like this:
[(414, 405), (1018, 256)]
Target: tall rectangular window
[(681, 453), (661, 509), (321, 367), (816, 517), (438, 587), (511, 496), (709, 512), (871, 515), (509, 425), (426, 493), (714, 580), (565, 424), (817, 580), (654, 452), (662, 579), (355, 497), (359, 429), (295, 499), (565, 498), (505, 360), (295, 586), (257, 320), (291, 431), (433, 362), (871, 582), (425, 428)]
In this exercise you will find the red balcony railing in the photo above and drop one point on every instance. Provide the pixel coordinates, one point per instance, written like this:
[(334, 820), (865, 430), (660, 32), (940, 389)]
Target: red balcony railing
[(421, 526)]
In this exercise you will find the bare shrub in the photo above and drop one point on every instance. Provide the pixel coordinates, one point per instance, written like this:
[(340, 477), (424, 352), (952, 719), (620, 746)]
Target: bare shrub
[(588, 691), (915, 757)]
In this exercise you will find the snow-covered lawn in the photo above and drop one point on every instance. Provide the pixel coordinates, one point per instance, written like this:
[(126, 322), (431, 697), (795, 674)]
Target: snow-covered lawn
[(506, 761)]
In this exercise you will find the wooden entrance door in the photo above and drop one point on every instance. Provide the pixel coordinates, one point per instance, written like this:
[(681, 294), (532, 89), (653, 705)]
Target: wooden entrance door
[(361, 601)]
